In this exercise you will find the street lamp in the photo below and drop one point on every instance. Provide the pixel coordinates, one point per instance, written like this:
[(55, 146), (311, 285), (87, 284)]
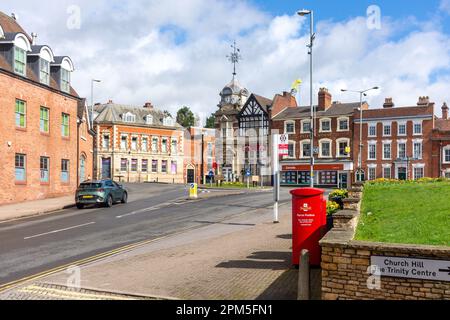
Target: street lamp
[(92, 101), (303, 13), (361, 145)]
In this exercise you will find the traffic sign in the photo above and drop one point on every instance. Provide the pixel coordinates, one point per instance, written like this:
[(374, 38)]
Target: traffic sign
[(248, 173), (211, 174), (283, 145)]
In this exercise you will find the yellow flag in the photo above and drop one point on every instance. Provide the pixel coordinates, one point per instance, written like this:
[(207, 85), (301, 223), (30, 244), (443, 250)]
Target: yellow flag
[(296, 84)]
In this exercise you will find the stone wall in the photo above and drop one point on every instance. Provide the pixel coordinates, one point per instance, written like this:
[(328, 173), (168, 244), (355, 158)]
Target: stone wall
[(346, 264)]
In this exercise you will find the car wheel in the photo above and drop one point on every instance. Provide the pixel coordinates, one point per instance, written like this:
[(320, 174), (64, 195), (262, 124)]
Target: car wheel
[(109, 201), (80, 206), (124, 198)]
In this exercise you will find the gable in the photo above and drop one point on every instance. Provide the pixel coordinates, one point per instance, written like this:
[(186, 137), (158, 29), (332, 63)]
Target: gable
[(251, 108)]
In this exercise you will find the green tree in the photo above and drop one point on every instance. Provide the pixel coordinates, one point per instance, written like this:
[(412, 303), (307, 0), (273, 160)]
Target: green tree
[(186, 117), (210, 122)]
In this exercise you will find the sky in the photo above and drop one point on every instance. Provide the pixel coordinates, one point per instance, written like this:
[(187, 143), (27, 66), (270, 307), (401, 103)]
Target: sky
[(174, 53)]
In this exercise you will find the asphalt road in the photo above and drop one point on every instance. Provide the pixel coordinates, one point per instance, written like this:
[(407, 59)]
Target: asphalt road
[(34, 245)]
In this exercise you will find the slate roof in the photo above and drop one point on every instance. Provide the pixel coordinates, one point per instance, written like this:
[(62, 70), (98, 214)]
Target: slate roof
[(336, 109), (11, 28), (112, 113)]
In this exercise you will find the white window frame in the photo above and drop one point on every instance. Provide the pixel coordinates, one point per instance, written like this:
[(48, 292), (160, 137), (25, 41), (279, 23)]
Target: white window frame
[(444, 150), (387, 166), (302, 123), (142, 143), (371, 143), (338, 141), (385, 143), (369, 168), (126, 141), (418, 166), (402, 123), (339, 124), (286, 123), (294, 144), (157, 144), (399, 142), (321, 125), (321, 149), (417, 122), (387, 124), (302, 143), (374, 125), (149, 119), (137, 143), (418, 141)]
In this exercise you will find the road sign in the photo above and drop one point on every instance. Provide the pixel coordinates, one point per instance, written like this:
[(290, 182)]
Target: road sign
[(193, 191), (211, 174), (248, 173), (283, 145), (412, 268)]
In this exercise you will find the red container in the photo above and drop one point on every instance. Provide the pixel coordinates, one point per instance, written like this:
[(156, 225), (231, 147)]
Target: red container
[(309, 218)]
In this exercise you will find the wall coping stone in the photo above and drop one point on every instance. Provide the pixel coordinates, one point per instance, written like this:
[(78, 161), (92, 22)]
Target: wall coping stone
[(346, 214)]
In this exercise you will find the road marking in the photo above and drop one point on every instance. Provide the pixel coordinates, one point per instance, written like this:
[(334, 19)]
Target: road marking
[(60, 230), (71, 295), (109, 254), (139, 211)]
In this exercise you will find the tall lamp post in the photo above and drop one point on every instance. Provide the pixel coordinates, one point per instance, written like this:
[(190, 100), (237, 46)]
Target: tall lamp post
[(361, 145), (92, 101), (303, 13)]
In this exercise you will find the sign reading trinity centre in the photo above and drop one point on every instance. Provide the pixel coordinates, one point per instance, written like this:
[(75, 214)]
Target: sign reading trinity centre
[(437, 270)]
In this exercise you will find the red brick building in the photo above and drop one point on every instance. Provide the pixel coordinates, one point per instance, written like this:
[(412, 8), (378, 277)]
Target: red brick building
[(40, 116), (396, 141), (333, 136), (200, 155), (441, 145)]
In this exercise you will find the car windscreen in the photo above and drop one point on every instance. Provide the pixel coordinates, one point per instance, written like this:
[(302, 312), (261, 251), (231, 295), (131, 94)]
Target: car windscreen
[(90, 186)]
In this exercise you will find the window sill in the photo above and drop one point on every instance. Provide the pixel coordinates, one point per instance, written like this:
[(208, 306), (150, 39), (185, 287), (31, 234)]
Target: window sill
[(45, 134), (45, 184), (66, 138), (21, 129), (20, 183)]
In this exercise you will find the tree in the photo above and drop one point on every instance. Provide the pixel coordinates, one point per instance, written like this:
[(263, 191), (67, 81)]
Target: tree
[(210, 122), (186, 117)]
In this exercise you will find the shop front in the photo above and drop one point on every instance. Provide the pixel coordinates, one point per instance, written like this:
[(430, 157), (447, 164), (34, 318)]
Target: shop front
[(325, 175)]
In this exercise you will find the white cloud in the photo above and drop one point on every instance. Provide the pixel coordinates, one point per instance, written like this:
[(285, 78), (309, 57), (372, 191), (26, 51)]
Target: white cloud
[(445, 6), (173, 53)]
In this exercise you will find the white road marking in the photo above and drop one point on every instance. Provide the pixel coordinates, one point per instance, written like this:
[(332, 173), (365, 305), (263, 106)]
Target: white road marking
[(140, 211), (60, 230)]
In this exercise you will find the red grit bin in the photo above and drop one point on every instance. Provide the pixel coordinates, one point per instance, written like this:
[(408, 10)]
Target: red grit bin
[(309, 219)]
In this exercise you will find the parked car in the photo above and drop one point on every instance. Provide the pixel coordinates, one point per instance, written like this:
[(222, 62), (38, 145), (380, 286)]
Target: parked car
[(101, 192)]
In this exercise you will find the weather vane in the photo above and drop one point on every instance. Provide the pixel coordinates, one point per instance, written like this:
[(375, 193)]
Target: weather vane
[(235, 57)]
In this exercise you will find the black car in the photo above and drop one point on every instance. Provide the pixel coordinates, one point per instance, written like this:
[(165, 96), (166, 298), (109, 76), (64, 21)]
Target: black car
[(100, 192)]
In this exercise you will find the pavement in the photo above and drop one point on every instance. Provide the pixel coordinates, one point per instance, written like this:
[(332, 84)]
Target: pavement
[(245, 257)]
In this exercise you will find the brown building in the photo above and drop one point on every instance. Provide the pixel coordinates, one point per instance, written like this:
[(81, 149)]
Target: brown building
[(396, 141), (333, 137), (199, 155), (138, 144), (39, 141), (441, 145)]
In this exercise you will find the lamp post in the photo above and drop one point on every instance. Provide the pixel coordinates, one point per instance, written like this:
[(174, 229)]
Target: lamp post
[(92, 101), (303, 13), (361, 145)]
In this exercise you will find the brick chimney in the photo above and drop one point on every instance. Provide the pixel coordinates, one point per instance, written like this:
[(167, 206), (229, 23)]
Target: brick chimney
[(148, 105), (325, 99), (445, 111), (110, 101), (281, 102), (388, 103), (423, 101)]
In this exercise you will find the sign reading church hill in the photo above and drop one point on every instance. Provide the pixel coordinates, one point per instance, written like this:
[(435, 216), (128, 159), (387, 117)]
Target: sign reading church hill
[(437, 270)]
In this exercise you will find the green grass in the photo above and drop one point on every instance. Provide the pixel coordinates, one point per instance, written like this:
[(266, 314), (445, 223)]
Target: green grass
[(407, 214)]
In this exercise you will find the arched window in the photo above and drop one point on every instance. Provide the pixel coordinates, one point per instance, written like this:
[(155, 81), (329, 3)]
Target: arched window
[(21, 47), (149, 119), (129, 117), (2, 34)]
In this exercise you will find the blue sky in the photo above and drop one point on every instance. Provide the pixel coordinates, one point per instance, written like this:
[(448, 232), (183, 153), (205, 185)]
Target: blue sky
[(173, 52)]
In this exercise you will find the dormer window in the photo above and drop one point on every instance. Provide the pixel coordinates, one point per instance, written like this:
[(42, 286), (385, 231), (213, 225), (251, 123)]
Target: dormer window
[(168, 121), (2, 34), (129, 117), (149, 119), (44, 71), (65, 80), (20, 61)]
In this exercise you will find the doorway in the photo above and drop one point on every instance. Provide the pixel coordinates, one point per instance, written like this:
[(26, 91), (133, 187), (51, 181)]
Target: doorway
[(82, 169), (106, 168), (228, 174), (343, 180), (190, 176), (402, 173)]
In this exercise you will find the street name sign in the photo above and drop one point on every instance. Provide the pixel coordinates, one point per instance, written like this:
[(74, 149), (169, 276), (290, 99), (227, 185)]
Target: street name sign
[(283, 145), (412, 268)]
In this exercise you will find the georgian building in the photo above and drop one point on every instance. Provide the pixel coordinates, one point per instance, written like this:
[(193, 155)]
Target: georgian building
[(333, 138), (138, 144), (396, 141), (41, 119), (199, 154), (441, 145)]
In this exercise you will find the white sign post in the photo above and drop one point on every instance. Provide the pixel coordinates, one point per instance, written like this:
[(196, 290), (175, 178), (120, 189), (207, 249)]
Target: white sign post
[(411, 268)]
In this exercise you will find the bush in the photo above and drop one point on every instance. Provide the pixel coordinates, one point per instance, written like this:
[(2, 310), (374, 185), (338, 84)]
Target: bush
[(383, 181), (332, 207), (340, 193)]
